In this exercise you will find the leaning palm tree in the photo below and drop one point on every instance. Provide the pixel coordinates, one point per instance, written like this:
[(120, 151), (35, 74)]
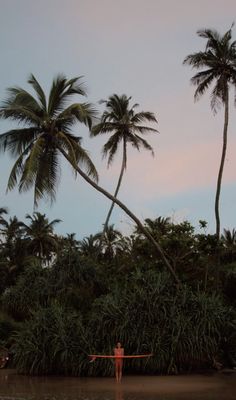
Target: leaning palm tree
[(125, 126), (46, 135), (217, 64)]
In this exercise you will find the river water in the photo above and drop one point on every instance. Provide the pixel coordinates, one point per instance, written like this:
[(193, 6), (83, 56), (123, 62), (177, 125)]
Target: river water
[(218, 386)]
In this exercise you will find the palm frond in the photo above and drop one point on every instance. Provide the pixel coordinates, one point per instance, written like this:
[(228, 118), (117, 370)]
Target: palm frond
[(143, 116), (110, 147), (40, 93), (218, 94), (203, 81), (138, 140), (61, 91), (17, 169), (48, 176), (82, 112), (77, 154), (31, 165), (20, 114), (17, 140)]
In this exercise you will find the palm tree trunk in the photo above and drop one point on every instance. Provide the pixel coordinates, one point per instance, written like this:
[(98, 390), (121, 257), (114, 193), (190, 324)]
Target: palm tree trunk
[(126, 210), (123, 166), (219, 179)]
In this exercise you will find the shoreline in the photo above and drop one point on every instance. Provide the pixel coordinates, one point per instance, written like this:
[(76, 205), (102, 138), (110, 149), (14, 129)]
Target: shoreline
[(137, 385)]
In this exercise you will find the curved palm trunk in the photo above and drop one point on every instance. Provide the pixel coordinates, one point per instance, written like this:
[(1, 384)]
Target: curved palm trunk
[(126, 210), (220, 174), (123, 166)]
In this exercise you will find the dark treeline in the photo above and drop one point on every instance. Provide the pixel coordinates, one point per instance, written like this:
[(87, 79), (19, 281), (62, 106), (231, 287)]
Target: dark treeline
[(62, 299)]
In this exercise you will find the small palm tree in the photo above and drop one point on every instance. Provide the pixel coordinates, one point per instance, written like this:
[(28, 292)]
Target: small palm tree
[(229, 243), (219, 63), (14, 249), (89, 246), (39, 235), (46, 135), (125, 126), (110, 242)]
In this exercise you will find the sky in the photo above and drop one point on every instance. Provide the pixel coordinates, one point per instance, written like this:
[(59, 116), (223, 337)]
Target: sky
[(137, 48)]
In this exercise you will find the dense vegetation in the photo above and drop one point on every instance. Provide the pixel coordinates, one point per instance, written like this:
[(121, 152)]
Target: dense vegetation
[(62, 299)]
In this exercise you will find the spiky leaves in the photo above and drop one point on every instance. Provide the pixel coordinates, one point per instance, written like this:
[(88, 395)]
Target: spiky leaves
[(121, 120), (47, 128)]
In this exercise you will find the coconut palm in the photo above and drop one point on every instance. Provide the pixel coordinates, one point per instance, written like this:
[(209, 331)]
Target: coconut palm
[(14, 250), (11, 231), (125, 126), (110, 242), (217, 65), (89, 246), (46, 135), (39, 234)]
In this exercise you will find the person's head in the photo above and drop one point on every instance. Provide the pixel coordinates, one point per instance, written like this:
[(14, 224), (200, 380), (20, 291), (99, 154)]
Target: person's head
[(118, 344)]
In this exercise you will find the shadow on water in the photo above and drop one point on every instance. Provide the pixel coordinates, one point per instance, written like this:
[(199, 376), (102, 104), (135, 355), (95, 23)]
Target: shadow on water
[(192, 387)]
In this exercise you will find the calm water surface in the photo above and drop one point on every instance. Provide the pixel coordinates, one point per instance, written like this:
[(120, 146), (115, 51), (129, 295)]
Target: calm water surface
[(220, 386)]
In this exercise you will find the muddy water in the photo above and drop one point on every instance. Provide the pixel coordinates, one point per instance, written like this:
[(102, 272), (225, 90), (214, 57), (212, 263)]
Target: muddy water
[(220, 386)]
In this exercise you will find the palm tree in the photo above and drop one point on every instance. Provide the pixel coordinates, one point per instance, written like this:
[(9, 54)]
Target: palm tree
[(3, 210), (39, 234), (47, 134), (11, 231), (14, 251), (89, 246), (125, 125), (110, 242), (219, 63), (229, 243)]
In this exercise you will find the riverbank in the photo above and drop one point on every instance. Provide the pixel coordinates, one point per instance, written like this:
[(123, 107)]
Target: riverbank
[(196, 387)]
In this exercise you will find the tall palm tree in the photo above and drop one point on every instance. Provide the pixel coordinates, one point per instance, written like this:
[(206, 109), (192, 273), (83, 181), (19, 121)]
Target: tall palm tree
[(125, 126), (217, 65), (47, 134)]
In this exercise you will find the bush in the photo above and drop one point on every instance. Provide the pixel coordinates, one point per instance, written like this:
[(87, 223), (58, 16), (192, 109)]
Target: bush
[(52, 341)]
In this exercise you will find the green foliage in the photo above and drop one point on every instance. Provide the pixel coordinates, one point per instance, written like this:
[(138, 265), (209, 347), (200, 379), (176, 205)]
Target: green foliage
[(94, 293), (7, 328), (52, 341), (30, 291), (182, 329)]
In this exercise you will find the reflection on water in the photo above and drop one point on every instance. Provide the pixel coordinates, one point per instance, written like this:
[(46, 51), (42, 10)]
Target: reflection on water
[(215, 387)]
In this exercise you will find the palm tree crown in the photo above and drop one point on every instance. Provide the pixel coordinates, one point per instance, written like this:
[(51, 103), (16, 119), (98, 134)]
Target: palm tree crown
[(219, 61), (40, 235), (125, 125), (45, 133)]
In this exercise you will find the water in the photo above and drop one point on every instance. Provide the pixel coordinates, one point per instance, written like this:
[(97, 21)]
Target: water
[(219, 386)]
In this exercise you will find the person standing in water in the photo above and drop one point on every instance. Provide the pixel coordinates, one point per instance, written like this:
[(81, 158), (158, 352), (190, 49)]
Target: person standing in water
[(118, 351)]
